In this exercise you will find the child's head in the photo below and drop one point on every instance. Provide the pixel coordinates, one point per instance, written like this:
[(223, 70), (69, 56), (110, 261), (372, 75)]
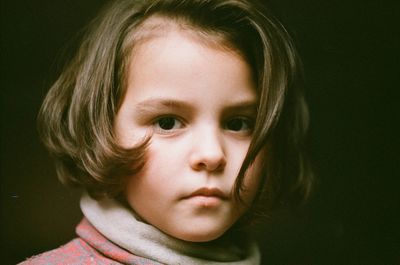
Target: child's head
[(189, 110)]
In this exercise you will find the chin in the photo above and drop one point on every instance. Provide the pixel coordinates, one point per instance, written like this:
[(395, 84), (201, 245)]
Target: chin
[(201, 234)]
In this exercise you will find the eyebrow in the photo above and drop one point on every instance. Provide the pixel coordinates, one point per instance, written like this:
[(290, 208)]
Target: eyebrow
[(246, 106), (156, 104)]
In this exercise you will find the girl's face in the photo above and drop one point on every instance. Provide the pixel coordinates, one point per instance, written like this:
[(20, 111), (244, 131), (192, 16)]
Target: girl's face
[(198, 103)]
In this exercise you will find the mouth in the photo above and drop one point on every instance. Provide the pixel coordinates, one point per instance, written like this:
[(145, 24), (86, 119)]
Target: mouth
[(207, 197), (209, 192)]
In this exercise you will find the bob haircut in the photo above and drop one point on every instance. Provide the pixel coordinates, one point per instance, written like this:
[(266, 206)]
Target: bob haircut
[(77, 116)]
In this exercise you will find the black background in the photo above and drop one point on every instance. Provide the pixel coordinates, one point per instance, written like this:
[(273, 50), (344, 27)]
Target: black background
[(350, 53)]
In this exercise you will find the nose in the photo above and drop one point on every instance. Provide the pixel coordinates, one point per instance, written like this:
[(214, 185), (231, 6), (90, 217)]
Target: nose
[(208, 152)]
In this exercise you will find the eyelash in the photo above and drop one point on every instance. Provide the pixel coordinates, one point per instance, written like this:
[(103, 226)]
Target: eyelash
[(167, 123), (245, 121), (164, 120)]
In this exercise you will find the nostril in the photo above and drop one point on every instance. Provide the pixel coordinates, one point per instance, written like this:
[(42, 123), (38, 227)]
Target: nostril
[(220, 167), (217, 164)]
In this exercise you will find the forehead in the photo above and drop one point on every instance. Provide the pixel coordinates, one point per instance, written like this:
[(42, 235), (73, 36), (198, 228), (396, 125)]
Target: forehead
[(177, 64), (157, 26)]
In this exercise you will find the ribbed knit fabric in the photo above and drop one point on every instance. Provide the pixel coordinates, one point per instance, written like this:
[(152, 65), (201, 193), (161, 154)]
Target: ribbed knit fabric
[(90, 248)]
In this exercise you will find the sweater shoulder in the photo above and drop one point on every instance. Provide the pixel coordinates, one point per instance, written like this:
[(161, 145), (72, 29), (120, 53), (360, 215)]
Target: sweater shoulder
[(76, 251)]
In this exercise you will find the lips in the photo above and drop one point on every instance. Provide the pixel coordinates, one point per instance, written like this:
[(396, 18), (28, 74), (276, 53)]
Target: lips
[(209, 192), (207, 198)]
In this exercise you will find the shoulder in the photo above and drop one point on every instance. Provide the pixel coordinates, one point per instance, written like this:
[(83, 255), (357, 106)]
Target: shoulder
[(76, 251)]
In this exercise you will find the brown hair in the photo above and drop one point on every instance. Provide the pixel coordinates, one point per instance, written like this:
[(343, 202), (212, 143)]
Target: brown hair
[(77, 116)]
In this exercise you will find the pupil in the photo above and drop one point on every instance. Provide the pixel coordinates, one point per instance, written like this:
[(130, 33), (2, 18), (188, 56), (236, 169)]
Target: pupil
[(167, 123), (235, 125)]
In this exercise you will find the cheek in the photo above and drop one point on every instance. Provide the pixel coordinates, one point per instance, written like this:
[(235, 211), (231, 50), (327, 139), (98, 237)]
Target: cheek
[(158, 171), (142, 187), (252, 180), (128, 133), (132, 138)]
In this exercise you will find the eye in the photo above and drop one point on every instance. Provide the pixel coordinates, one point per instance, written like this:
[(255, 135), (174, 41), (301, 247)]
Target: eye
[(239, 124), (167, 124)]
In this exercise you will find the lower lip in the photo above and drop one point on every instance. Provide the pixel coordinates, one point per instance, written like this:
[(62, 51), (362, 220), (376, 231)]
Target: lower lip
[(206, 201)]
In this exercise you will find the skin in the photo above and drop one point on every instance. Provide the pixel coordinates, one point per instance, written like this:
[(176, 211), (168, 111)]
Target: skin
[(197, 102)]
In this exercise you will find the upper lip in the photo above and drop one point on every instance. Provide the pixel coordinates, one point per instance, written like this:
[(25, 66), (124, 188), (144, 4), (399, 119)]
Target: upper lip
[(209, 192)]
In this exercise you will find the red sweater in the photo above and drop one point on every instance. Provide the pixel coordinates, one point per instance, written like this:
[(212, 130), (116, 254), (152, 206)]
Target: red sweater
[(90, 247)]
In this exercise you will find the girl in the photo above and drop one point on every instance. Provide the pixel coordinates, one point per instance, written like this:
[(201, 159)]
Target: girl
[(183, 121)]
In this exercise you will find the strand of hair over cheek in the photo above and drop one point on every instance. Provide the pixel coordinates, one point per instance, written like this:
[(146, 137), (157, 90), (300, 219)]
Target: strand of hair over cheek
[(273, 97), (278, 80), (265, 119)]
